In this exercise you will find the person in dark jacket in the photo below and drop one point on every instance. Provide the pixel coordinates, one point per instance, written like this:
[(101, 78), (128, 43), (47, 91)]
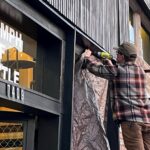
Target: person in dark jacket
[(130, 103)]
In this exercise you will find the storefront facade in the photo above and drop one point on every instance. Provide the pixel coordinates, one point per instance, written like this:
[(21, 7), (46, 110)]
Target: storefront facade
[(38, 51), (37, 54), (32, 55)]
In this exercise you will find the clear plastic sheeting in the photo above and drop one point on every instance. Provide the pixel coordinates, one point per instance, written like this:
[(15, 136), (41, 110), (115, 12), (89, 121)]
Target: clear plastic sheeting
[(88, 131)]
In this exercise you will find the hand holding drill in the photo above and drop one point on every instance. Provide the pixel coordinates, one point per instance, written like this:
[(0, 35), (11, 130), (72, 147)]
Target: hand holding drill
[(104, 56)]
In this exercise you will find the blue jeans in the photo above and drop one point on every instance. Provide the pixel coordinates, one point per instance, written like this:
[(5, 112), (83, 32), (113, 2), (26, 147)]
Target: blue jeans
[(136, 135)]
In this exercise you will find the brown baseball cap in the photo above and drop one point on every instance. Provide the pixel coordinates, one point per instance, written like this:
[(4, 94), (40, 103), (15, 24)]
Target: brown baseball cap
[(127, 49)]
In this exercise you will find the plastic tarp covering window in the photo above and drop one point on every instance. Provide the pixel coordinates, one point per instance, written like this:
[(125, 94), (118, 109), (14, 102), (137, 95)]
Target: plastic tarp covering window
[(88, 131)]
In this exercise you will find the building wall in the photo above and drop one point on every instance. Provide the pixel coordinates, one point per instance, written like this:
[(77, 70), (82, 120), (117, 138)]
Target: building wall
[(99, 19), (106, 22)]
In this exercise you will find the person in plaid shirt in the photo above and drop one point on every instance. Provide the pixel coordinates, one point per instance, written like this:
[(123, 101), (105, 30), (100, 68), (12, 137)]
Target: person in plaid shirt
[(130, 103)]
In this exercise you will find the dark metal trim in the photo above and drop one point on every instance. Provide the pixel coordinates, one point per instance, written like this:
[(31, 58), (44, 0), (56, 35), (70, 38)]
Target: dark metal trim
[(66, 120), (32, 99), (14, 116), (30, 134), (59, 17), (37, 17), (86, 41)]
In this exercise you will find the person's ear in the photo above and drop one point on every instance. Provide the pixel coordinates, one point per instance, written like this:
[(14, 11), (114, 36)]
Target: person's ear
[(123, 57)]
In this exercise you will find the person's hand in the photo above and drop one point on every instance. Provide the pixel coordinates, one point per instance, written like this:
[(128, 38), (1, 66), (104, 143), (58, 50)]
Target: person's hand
[(87, 54), (108, 62)]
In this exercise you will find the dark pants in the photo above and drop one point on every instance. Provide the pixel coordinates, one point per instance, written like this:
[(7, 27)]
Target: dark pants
[(136, 135)]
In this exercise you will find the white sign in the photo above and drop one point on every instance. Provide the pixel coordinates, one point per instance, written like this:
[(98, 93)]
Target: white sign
[(7, 74), (10, 38), (15, 93)]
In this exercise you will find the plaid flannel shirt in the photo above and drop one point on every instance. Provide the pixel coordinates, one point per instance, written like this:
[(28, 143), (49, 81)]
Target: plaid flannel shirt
[(127, 91)]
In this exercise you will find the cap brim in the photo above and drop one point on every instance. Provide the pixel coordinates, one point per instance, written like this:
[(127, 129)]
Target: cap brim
[(116, 48)]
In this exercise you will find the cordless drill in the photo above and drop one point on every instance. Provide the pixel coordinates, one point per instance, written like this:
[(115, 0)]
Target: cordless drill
[(102, 55)]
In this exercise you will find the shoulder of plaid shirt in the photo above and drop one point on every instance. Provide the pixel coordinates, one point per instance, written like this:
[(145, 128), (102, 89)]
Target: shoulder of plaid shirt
[(127, 90)]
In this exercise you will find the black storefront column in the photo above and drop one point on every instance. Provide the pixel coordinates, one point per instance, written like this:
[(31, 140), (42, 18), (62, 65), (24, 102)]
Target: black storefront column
[(30, 133), (112, 128), (66, 120)]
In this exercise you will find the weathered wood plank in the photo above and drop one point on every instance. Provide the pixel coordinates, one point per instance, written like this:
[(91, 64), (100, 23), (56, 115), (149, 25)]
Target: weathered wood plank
[(98, 19), (123, 20), (102, 20)]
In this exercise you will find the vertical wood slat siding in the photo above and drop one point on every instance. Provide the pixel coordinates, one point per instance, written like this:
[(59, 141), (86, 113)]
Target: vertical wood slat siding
[(123, 20), (98, 18)]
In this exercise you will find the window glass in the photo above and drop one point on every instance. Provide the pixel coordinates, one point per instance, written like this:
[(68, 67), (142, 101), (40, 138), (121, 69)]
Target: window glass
[(30, 55), (145, 44), (17, 55), (131, 28)]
